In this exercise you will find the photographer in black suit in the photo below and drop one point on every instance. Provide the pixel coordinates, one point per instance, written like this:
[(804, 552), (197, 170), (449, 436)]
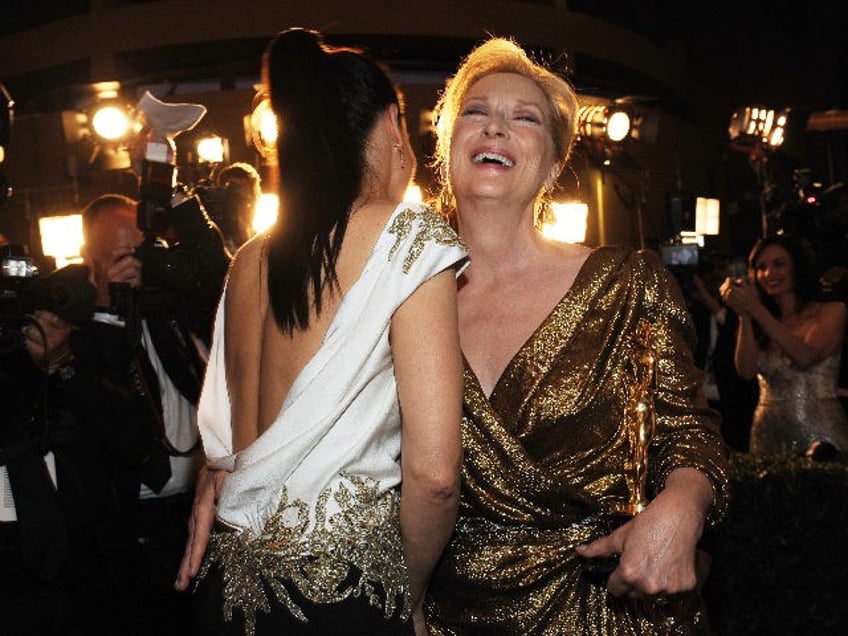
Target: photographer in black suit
[(67, 440), (150, 329)]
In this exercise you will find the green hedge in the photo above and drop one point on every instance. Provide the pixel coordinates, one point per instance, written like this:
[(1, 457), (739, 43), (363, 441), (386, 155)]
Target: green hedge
[(780, 558)]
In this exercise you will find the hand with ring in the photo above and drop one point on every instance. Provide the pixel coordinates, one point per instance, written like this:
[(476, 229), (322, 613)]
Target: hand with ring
[(661, 599)]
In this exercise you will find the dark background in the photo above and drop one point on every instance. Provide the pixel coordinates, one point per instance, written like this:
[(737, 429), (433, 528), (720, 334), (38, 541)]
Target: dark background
[(733, 54)]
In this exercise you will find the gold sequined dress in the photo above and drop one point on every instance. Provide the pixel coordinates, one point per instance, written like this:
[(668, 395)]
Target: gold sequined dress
[(544, 455), (797, 406), (314, 500)]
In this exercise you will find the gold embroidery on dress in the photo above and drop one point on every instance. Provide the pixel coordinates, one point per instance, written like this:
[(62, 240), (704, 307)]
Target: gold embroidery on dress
[(432, 227), (317, 558)]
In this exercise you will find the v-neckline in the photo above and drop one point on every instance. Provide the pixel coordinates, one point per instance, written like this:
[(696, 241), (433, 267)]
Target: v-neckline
[(578, 284)]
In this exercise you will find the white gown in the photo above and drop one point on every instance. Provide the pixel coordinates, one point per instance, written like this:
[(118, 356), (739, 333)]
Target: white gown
[(323, 479)]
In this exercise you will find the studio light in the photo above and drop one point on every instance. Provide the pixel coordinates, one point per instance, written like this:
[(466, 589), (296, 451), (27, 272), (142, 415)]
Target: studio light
[(757, 125), (61, 238), (607, 123), (212, 149), (111, 122), (758, 131), (262, 127), (267, 211), (618, 124), (602, 129), (111, 119), (569, 222), (706, 216), (107, 123), (689, 237)]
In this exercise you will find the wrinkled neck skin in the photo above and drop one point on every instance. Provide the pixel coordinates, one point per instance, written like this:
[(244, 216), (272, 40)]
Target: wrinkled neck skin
[(499, 238)]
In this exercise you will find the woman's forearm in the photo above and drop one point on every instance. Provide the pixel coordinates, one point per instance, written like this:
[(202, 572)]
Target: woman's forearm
[(427, 518), (745, 355), (801, 353)]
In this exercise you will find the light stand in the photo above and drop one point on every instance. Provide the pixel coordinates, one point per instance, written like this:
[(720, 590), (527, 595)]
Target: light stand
[(758, 131)]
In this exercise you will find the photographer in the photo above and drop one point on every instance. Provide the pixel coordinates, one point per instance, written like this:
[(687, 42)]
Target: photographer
[(66, 442), (232, 201), (150, 336)]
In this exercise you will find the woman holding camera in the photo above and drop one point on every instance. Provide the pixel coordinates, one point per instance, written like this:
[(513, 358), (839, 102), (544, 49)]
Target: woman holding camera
[(791, 341)]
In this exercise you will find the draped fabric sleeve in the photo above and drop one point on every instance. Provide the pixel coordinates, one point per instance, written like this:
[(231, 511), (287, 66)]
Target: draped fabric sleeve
[(688, 431), (213, 411)]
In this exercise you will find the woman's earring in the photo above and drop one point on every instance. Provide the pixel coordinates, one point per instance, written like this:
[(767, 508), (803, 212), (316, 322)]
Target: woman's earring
[(399, 148)]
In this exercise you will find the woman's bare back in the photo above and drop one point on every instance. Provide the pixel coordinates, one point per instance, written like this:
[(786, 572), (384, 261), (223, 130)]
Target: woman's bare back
[(263, 361)]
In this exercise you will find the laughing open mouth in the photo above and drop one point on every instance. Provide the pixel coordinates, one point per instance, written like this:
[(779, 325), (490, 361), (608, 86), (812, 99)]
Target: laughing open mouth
[(493, 157)]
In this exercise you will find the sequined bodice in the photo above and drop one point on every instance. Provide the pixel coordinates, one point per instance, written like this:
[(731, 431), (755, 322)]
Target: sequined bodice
[(797, 406), (780, 380)]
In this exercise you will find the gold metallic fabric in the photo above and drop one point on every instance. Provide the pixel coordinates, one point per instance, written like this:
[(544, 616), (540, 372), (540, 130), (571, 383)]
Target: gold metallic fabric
[(545, 454)]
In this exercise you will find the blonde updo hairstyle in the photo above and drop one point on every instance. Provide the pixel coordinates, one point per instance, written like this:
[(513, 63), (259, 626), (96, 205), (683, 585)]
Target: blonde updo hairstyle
[(500, 55)]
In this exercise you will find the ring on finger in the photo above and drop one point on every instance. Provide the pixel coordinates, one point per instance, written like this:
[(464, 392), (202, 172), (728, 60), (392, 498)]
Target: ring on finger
[(661, 599)]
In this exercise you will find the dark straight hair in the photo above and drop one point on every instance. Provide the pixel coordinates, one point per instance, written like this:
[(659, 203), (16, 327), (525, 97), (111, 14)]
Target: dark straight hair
[(327, 101)]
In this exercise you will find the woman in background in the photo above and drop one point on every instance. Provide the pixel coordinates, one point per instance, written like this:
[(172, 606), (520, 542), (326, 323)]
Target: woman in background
[(791, 341)]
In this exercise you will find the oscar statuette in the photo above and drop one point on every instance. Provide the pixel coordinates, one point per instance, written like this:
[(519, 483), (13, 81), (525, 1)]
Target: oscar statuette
[(640, 424), (640, 420)]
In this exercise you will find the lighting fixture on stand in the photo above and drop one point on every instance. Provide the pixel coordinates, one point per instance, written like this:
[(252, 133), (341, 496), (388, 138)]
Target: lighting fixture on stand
[(107, 122), (706, 216), (568, 223), (602, 128), (212, 149), (757, 126), (261, 127), (758, 131), (61, 238)]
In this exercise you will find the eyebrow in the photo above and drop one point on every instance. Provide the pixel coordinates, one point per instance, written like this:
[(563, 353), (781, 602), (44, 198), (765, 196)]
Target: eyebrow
[(520, 102)]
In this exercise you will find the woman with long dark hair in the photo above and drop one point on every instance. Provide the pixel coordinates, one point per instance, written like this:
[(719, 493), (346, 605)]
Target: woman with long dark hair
[(790, 340), (336, 329)]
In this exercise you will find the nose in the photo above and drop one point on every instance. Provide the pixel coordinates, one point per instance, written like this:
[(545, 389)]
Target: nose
[(769, 273), (495, 126)]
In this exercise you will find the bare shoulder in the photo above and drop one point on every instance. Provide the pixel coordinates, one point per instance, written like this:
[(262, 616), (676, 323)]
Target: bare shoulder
[(247, 260), (245, 279), (371, 218), (364, 226), (835, 310)]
